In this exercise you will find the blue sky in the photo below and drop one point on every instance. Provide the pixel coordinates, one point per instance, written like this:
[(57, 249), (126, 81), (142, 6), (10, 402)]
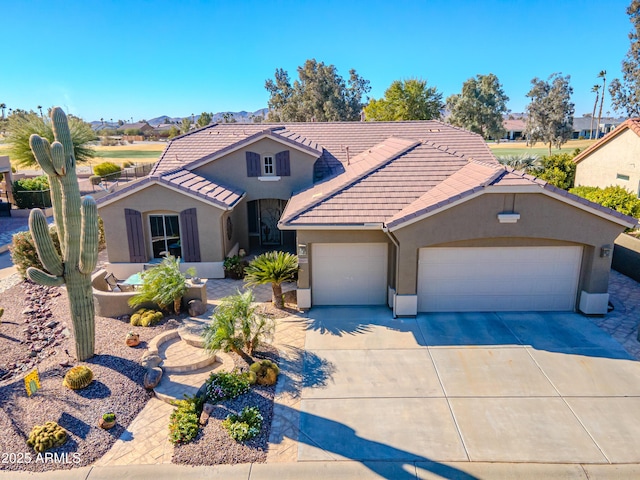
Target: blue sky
[(142, 59)]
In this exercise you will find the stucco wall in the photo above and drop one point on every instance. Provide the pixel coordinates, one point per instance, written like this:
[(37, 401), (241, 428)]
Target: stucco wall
[(231, 170), (621, 155), (543, 221), (158, 199)]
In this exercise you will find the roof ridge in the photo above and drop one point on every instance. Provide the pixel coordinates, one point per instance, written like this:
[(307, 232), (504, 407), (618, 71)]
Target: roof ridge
[(340, 186)]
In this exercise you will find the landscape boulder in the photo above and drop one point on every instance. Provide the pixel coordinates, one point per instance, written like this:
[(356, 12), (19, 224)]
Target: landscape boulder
[(196, 308), (152, 377)]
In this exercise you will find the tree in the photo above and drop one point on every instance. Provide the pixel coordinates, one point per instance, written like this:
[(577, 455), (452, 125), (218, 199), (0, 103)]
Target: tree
[(550, 113), (625, 94), (22, 125), (173, 132), (603, 76), (204, 119), (406, 100), (480, 106), (185, 126), (595, 89), (319, 94), (273, 268), (3, 107)]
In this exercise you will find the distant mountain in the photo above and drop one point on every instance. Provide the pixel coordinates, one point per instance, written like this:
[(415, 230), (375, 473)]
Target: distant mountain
[(240, 117)]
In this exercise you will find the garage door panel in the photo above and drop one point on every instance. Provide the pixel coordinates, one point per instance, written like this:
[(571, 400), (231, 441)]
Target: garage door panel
[(498, 279), (349, 273)]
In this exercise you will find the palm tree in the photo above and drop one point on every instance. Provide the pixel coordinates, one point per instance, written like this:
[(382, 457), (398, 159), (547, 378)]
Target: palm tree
[(3, 106), (595, 89), (603, 76), (525, 162), (39, 107), (274, 268)]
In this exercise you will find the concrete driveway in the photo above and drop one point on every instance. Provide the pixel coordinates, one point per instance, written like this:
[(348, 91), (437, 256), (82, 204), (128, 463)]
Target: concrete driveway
[(481, 387)]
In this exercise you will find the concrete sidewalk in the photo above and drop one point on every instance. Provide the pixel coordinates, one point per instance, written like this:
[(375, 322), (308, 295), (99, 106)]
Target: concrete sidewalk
[(344, 471)]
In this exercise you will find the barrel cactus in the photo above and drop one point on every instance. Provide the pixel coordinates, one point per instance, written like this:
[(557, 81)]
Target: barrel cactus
[(77, 222), (78, 377), (146, 317), (44, 437), (266, 372)]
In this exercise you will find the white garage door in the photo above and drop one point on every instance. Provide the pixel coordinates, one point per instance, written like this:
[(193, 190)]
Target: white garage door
[(349, 273), (498, 279)]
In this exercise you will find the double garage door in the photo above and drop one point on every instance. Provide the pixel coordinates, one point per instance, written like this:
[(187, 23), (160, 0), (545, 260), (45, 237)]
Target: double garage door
[(498, 279)]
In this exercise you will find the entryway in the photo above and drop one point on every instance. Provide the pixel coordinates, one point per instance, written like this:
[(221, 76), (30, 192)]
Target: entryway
[(264, 233)]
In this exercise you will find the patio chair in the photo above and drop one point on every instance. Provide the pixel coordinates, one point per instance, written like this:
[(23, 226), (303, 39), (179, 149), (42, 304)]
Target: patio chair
[(112, 281)]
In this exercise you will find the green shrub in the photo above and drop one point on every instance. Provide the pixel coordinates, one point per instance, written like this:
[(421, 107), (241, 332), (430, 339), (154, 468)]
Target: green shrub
[(234, 267), (183, 423), (559, 169), (614, 197), (226, 385), (107, 169), (127, 164), (244, 426), (32, 192), (146, 317), (23, 251)]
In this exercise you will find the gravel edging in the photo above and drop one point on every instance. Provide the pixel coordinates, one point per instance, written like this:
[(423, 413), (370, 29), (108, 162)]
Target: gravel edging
[(117, 384), (213, 445)]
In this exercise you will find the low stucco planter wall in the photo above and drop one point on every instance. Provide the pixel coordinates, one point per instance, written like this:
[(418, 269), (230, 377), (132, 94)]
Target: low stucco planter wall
[(626, 256), (115, 304)]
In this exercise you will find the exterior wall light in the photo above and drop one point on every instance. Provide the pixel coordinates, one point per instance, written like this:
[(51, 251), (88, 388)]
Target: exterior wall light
[(508, 217), (605, 251), (302, 249)]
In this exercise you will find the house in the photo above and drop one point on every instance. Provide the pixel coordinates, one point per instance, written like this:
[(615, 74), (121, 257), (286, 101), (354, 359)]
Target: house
[(612, 160), (143, 127), (515, 128), (416, 215), (586, 127)]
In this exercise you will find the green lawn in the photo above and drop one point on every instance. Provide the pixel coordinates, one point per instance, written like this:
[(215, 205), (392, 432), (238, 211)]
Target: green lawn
[(128, 154), (520, 148)]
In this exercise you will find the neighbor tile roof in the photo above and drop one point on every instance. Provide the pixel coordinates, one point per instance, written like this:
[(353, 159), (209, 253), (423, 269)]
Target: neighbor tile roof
[(632, 124)]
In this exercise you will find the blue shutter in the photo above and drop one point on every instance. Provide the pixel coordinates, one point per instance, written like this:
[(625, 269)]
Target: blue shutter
[(135, 236), (189, 238), (283, 167), (253, 164)]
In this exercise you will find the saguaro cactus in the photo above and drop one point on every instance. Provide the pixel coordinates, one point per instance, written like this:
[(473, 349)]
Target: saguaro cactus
[(77, 223)]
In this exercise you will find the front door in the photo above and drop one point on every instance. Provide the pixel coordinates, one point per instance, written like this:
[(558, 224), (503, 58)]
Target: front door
[(270, 211)]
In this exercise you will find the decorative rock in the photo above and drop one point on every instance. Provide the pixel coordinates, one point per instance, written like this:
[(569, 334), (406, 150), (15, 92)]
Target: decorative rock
[(206, 413), (196, 307), (150, 360), (133, 339), (51, 324), (152, 377)]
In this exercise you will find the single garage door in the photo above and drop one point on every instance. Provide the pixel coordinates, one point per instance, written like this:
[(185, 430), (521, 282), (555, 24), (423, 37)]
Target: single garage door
[(349, 273), (498, 279)]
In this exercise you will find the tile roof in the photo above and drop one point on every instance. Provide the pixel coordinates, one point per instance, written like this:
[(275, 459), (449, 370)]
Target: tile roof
[(632, 124), (188, 182), (376, 185), (335, 142)]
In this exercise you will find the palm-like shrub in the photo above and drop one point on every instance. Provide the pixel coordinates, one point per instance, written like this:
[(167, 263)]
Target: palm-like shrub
[(164, 285), (273, 268), (236, 324), (526, 162)]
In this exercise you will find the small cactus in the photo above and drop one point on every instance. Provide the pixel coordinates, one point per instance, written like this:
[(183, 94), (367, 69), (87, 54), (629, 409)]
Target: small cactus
[(78, 377), (146, 317), (266, 372), (44, 437)]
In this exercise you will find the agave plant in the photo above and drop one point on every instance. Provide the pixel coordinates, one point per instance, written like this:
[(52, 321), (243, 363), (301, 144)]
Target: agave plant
[(273, 268), (526, 162), (164, 285)]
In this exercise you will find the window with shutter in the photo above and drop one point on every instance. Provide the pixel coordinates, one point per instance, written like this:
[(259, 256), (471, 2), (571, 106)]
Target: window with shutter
[(190, 238), (135, 236), (283, 167), (253, 164)]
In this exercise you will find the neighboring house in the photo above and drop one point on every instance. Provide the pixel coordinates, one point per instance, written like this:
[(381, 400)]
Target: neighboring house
[(144, 127), (612, 160), (582, 126), (416, 215), (515, 128)]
